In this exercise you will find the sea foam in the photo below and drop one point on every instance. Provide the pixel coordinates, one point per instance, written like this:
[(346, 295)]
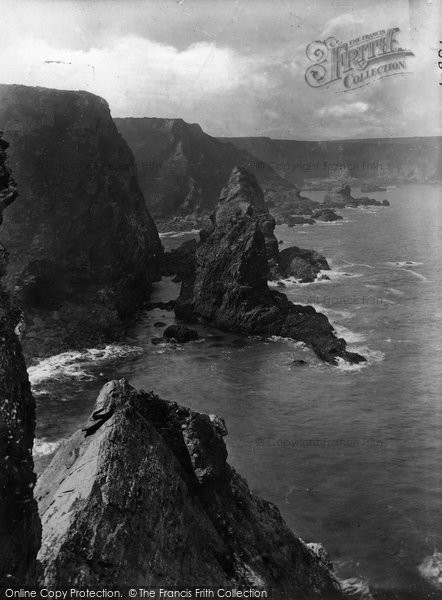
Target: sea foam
[(431, 569)]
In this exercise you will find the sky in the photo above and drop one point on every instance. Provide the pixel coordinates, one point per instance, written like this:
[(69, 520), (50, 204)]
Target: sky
[(236, 67)]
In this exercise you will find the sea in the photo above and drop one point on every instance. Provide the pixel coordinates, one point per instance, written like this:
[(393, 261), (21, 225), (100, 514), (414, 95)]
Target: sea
[(351, 454)]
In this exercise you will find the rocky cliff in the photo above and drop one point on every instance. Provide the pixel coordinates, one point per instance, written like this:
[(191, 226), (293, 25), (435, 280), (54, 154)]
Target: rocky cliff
[(84, 249), (181, 169), (378, 160), (226, 285), (143, 495), (19, 522)]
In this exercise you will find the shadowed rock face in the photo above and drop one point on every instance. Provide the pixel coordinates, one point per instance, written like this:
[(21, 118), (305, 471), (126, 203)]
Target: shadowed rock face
[(181, 169), (341, 196), (226, 285), (19, 522), (144, 495), (304, 265), (84, 248)]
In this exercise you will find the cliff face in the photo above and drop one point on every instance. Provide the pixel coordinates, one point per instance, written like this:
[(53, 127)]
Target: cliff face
[(19, 522), (181, 169), (84, 249), (144, 495), (226, 285), (389, 160)]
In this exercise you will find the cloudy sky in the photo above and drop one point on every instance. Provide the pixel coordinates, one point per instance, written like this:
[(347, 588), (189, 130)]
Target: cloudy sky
[(234, 66)]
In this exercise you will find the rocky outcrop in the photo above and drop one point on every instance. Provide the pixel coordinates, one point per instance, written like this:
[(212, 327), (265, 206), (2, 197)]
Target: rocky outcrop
[(180, 334), (143, 495), (226, 284), (340, 197), (84, 248), (304, 265), (327, 215), (19, 522), (181, 169)]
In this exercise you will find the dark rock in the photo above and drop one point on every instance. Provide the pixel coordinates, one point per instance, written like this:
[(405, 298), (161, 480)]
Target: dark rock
[(228, 287), (144, 494), (19, 522), (327, 215), (83, 245), (169, 305), (179, 260), (292, 221), (385, 202), (159, 324), (371, 187), (299, 362), (341, 197), (304, 265), (180, 334), (157, 340)]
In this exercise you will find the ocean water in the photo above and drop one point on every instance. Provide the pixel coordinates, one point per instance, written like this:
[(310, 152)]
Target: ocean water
[(351, 455)]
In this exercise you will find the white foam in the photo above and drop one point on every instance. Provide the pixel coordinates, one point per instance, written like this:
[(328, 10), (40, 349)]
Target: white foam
[(356, 588), (43, 448), (404, 263), (73, 364), (431, 569), (178, 234)]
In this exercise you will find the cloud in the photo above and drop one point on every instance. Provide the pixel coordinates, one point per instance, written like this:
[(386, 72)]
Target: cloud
[(352, 109)]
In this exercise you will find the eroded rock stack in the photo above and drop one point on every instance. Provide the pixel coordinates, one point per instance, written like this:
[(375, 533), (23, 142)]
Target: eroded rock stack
[(144, 495), (84, 248), (226, 285), (19, 522)]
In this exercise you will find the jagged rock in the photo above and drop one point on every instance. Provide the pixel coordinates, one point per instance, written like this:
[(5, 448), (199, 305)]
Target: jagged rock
[(304, 265), (341, 197), (385, 202), (144, 496), (227, 286), (19, 521), (327, 215), (180, 334), (83, 245), (176, 261)]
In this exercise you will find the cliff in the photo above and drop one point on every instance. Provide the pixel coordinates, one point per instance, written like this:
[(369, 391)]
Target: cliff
[(19, 522), (377, 160), (84, 249), (181, 169), (226, 284), (143, 495)]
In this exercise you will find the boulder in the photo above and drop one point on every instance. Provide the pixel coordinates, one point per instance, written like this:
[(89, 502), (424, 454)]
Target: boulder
[(144, 496), (180, 334), (327, 215), (227, 286), (304, 265)]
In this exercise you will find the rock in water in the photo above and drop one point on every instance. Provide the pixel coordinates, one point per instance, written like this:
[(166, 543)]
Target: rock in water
[(144, 496), (327, 215), (227, 284), (19, 521), (84, 248), (304, 265), (180, 334)]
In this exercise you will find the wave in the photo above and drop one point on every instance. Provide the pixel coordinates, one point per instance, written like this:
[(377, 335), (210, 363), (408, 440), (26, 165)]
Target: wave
[(43, 447), (404, 263), (177, 234), (431, 569), (355, 588), (73, 364)]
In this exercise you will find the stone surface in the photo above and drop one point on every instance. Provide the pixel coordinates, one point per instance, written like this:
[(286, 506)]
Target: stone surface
[(180, 334), (19, 522), (144, 496), (304, 265), (84, 248), (327, 215), (226, 285)]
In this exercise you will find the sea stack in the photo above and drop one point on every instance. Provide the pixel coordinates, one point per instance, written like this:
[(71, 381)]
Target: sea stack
[(84, 249), (226, 284)]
